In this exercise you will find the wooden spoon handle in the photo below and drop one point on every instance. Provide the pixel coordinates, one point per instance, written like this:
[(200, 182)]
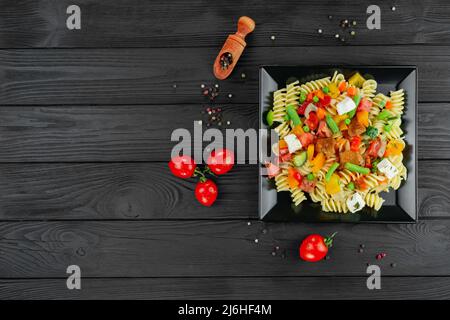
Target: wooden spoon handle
[(246, 25)]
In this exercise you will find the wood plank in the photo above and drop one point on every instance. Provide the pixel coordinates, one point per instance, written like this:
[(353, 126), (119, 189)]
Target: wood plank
[(434, 131), (142, 132), (149, 191), (147, 76), (105, 133), (119, 191), (140, 23), (434, 188), (267, 288), (216, 248)]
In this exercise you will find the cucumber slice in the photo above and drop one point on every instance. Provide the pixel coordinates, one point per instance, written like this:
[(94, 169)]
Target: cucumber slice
[(300, 159), (269, 118)]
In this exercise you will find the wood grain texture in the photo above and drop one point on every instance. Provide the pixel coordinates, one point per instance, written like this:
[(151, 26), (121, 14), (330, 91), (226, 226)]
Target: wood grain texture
[(140, 23), (106, 133), (146, 76), (434, 190), (149, 191), (119, 191), (289, 288), (143, 133), (216, 248)]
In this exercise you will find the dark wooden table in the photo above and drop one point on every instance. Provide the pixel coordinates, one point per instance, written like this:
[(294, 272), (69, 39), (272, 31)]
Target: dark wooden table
[(85, 123)]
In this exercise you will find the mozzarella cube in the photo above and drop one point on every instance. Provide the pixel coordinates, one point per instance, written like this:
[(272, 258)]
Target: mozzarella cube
[(355, 202), (293, 143), (345, 106), (386, 167)]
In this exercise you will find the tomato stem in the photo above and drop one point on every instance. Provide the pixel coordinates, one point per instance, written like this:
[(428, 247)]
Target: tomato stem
[(329, 240), (202, 173)]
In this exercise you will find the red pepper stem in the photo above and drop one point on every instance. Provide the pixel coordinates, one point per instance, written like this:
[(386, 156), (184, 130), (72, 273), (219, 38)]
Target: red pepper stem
[(329, 240)]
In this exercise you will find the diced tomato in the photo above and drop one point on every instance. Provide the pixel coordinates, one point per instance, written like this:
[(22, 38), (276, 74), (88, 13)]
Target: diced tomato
[(302, 108), (325, 101), (323, 130), (364, 105), (307, 186), (306, 139), (355, 142), (313, 121), (285, 155), (310, 96), (272, 169), (374, 146)]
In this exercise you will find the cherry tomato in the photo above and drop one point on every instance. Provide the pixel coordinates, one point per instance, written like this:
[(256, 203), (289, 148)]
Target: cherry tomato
[(220, 161), (206, 192), (315, 247), (364, 105), (182, 166)]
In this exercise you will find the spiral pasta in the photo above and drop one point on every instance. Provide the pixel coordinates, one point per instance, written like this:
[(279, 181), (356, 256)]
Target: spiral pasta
[(315, 85), (279, 105), (331, 205), (374, 200)]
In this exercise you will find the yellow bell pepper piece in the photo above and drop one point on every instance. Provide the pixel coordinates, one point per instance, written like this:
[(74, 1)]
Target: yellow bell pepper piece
[(310, 152), (334, 91), (363, 118), (394, 148), (356, 80), (333, 186), (339, 118), (318, 162)]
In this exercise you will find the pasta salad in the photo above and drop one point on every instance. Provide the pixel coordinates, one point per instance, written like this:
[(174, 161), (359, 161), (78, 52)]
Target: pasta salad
[(340, 142)]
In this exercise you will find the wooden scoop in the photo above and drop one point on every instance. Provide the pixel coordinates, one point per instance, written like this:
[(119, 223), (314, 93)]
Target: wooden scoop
[(234, 45)]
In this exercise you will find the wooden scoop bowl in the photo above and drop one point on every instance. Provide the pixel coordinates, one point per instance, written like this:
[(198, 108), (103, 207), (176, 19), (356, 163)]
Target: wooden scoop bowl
[(235, 45)]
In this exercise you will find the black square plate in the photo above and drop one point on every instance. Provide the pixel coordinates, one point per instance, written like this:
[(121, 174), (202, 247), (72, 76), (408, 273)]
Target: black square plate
[(401, 205)]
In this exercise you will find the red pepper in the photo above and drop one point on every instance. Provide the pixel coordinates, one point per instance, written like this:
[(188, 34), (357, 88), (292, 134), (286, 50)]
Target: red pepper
[(325, 101), (298, 177), (313, 121), (355, 142), (302, 108)]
